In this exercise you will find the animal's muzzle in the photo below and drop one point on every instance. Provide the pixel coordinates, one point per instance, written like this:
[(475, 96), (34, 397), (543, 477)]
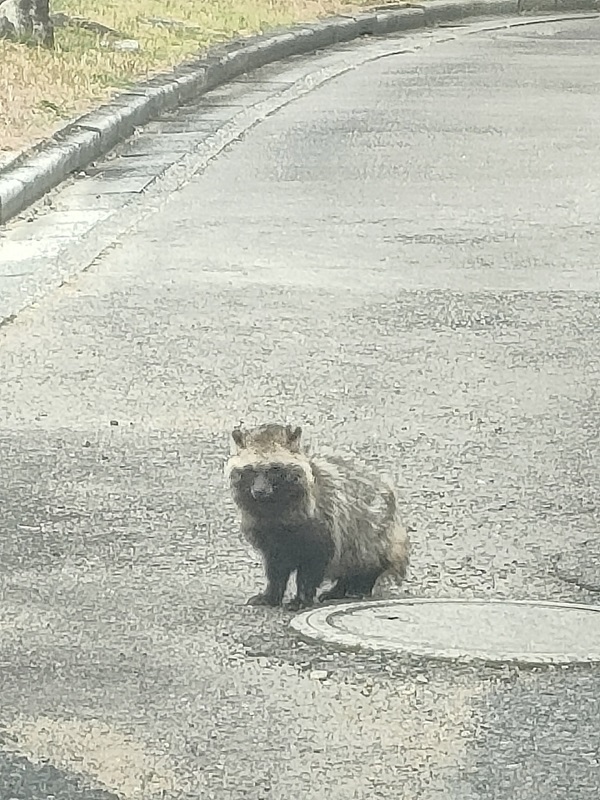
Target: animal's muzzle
[(261, 489)]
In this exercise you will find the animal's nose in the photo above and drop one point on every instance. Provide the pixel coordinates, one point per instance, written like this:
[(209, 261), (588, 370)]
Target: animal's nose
[(261, 488)]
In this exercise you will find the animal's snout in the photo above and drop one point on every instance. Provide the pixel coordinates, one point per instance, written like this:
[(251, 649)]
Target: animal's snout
[(261, 488)]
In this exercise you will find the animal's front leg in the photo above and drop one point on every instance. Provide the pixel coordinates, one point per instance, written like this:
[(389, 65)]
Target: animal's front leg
[(309, 578), (278, 573)]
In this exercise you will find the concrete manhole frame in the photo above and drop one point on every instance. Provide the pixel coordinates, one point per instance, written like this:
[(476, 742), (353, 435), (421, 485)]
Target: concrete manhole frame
[(313, 626)]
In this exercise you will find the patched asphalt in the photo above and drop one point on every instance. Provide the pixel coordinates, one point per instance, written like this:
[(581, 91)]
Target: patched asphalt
[(404, 261)]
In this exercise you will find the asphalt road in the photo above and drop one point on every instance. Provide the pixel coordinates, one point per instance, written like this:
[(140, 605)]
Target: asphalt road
[(404, 261)]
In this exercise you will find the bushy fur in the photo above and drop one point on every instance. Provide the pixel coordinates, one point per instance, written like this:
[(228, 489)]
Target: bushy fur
[(324, 517)]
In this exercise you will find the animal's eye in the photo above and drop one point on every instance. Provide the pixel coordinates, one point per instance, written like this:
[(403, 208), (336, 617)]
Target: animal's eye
[(241, 475)]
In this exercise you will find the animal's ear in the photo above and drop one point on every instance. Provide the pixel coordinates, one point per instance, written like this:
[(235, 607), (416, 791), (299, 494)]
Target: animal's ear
[(293, 434), (239, 437)]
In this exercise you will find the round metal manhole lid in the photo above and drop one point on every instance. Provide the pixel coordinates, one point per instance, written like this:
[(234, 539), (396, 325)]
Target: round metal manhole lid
[(482, 630)]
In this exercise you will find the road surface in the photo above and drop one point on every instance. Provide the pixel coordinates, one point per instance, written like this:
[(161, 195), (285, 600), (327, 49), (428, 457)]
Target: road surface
[(403, 260)]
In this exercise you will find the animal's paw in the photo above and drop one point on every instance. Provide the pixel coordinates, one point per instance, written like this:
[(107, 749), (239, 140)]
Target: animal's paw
[(327, 597), (296, 604), (262, 600)]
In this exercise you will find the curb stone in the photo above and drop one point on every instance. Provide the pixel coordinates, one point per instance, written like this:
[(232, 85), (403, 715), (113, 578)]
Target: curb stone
[(94, 134)]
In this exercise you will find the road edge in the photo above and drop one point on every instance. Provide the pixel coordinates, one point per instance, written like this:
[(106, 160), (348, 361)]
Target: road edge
[(82, 141)]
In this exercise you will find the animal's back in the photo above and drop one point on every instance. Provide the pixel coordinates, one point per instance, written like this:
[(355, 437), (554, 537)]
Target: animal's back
[(359, 509)]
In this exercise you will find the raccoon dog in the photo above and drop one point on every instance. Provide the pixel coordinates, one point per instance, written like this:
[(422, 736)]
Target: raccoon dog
[(322, 518)]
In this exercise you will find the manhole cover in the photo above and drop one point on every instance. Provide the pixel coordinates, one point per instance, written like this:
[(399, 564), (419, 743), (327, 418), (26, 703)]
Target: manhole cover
[(489, 630)]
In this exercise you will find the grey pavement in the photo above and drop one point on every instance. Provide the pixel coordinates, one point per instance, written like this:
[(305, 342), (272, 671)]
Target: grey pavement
[(404, 260)]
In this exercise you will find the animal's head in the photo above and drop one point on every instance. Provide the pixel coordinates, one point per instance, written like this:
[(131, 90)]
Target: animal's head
[(269, 473)]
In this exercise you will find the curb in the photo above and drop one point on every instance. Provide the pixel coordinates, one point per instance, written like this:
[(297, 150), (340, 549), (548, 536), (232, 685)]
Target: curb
[(92, 135)]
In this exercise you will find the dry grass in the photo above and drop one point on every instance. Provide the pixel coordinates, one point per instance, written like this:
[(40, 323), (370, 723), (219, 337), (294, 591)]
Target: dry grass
[(40, 90)]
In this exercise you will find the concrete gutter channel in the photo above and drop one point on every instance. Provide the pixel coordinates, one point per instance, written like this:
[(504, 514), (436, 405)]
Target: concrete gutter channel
[(94, 134)]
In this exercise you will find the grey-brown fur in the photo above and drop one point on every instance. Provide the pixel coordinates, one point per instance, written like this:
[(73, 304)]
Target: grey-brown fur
[(325, 517)]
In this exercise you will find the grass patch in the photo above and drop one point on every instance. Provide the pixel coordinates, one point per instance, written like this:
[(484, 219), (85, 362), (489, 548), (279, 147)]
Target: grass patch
[(40, 89)]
